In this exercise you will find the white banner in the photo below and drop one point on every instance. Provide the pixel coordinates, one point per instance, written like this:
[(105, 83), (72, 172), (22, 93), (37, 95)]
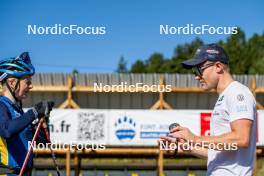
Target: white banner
[(144, 127), (128, 127), (79, 126)]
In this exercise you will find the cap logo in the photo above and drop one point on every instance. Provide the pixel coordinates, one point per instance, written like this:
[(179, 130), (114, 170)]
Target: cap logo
[(211, 51), (198, 51)]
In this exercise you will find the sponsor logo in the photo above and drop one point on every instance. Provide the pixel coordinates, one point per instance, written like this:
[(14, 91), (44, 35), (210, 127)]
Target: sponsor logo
[(125, 129), (153, 131), (215, 113), (221, 98), (152, 134), (205, 119), (241, 108), (219, 101), (198, 51), (211, 51), (240, 97), (211, 56)]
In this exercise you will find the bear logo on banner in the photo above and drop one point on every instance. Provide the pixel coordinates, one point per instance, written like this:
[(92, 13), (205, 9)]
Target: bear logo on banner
[(125, 129)]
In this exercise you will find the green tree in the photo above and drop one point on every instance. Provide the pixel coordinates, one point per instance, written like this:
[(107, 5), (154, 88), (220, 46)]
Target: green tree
[(154, 63), (138, 67), (245, 56), (255, 54), (75, 72), (181, 53), (235, 47), (122, 65)]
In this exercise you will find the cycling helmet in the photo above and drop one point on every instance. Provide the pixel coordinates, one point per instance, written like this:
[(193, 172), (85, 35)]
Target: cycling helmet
[(17, 67)]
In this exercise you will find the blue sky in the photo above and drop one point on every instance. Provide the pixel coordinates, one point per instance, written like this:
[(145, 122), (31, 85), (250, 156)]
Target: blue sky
[(132, 29)]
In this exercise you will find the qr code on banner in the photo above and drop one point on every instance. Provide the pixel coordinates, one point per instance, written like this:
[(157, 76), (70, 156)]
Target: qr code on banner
[(91, 126)]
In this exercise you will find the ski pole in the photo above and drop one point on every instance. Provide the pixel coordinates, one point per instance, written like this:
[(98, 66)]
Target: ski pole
[(52, 152), (30, 148)]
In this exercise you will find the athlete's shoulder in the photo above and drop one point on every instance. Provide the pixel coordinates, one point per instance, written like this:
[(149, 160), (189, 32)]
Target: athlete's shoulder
[(3, 106), (4, 111), (238, 93), (237, 87)]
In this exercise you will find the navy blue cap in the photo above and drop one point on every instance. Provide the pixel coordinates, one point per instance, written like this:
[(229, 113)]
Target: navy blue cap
[(210, 52)]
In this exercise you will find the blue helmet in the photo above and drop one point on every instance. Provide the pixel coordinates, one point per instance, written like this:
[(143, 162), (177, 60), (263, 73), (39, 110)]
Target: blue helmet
[(16, 67)]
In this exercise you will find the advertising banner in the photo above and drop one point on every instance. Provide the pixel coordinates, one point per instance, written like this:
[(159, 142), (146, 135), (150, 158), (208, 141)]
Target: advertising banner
[(129, 127)]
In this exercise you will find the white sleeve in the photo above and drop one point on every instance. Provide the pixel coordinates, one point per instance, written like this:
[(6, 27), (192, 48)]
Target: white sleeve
[(241, 105)]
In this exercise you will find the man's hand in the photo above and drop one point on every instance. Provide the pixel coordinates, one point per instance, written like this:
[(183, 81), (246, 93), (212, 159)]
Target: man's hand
[(183, 134), (167, 139)]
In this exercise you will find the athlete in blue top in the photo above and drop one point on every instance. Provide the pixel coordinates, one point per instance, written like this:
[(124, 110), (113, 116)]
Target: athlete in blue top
[(16, 127)]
